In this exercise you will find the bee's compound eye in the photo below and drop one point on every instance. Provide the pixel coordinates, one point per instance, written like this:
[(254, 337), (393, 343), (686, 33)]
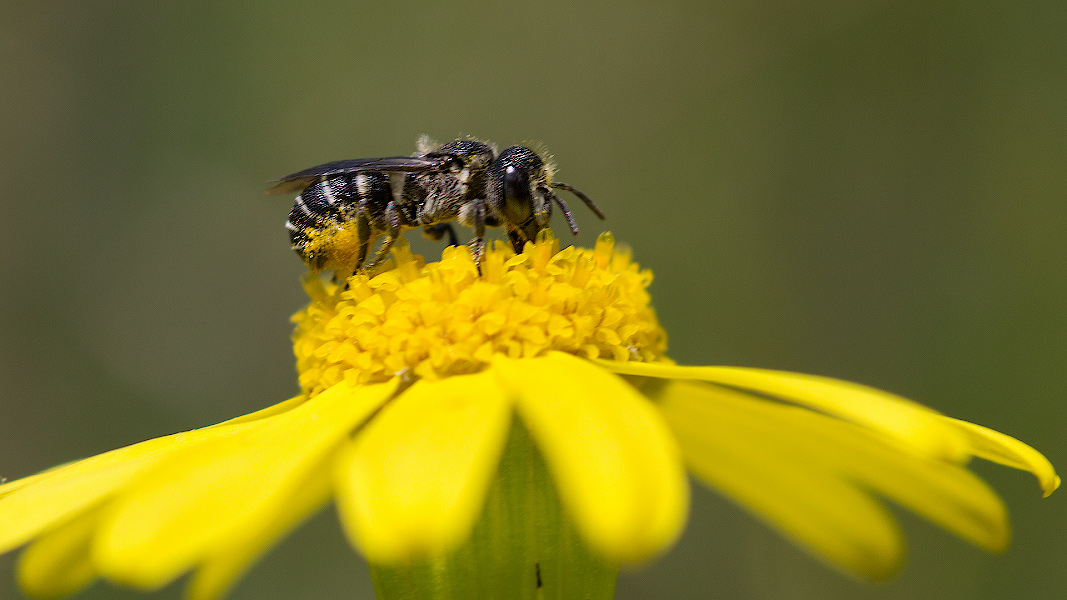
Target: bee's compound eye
[(516, 183)]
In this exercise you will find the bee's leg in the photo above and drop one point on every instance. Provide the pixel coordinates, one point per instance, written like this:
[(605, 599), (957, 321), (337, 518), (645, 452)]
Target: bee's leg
[(392, 218), (383, 251), (563, 206), (440, 230), (517, 241), (363, 230), (476, 219), (539, 220)]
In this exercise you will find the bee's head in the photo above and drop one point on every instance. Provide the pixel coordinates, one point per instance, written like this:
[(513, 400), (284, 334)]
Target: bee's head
[(518, 182)]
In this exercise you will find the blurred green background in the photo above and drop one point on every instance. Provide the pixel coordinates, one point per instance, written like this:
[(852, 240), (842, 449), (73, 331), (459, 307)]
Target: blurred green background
[(868, 190)]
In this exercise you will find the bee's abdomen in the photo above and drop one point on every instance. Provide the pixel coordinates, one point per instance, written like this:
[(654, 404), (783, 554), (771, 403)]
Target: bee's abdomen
[(331, 201)]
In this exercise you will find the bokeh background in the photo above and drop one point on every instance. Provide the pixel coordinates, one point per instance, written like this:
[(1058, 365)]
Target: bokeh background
[(867, 190)]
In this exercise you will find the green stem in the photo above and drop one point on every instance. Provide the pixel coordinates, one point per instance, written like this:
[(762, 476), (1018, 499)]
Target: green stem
[(522, 547)]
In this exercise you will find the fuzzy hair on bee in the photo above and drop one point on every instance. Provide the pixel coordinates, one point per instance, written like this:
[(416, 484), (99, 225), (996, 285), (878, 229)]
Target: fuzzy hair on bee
[(343, 207)]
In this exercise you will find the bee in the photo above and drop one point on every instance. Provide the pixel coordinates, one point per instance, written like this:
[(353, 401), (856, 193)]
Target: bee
[(344, 206)]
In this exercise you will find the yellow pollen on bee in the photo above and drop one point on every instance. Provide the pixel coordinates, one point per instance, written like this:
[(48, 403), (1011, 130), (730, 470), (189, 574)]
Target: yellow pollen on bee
[(338, 243), (444, 318)]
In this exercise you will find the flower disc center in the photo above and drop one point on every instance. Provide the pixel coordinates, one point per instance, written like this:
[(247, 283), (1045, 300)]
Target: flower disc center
[(444, 318)]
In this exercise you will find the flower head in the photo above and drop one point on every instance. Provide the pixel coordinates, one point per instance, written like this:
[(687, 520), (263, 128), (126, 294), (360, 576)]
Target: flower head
[(417, 381)]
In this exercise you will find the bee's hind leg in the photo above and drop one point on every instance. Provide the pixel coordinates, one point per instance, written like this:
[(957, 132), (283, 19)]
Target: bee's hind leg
[(393, 218), (363, 231)]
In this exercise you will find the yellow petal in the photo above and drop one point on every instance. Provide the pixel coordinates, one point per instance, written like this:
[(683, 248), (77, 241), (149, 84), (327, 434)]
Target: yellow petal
[(219, 571), (188, 508), (151, 447), (1008, 451), (942, 491), (270, 411), (808, 475), (30, 505), (57, 563), (922, 427), (414, 481), (616, 465)]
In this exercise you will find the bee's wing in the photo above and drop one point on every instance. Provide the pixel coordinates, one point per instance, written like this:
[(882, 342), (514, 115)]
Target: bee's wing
[(393, 164)]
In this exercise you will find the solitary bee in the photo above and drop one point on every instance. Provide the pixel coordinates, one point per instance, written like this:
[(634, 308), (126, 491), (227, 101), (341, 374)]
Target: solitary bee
[(345, 205)]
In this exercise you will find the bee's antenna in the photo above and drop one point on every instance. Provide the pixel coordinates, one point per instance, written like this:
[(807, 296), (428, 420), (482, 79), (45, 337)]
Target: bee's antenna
[(563, 206), (588, 202)]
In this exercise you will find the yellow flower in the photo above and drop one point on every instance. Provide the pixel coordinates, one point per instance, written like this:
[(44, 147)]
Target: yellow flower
[(416, 382)]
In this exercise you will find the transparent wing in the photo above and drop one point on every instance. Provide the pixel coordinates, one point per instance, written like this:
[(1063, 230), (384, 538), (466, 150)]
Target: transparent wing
[(394, 164)]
